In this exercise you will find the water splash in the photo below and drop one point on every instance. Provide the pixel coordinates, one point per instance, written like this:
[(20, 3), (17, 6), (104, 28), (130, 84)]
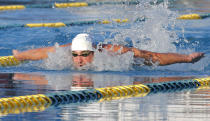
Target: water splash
[(153, 34), (103, 61), (106, 61), (156, 34), (59, 60)]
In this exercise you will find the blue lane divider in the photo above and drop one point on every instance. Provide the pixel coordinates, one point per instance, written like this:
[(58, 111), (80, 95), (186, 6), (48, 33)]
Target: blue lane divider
[(39, 102), (68, 97), (173, 86)]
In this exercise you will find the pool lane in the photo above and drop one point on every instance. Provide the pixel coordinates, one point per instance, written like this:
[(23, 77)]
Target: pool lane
[(39, 102)]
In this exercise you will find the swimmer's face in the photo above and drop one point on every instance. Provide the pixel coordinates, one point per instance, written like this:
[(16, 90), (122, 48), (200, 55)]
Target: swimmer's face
[(81, 58)]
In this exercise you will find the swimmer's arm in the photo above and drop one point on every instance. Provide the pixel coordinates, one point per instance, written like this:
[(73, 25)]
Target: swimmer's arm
[(166, 58), (35, 54), (153, 57)]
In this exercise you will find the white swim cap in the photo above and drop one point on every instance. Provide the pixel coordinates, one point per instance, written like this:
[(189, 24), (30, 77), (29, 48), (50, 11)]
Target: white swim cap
[(82, 42)]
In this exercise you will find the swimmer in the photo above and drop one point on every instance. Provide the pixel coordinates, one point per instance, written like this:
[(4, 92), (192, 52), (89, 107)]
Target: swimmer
[(83, 53)]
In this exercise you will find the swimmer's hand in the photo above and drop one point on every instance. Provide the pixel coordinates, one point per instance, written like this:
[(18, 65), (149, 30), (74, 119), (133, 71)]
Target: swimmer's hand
[(19, 55), (195, 57), (16, 55), (15, 52)]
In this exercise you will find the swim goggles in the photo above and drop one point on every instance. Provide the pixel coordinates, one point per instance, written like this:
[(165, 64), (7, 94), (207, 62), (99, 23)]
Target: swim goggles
[(84, 54)]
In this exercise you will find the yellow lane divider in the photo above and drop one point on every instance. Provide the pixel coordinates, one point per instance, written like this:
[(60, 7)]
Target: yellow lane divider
[(68, 23), (120, 20), (58, 24), (9, 61), (194, 16), (190, 16), (21, 104), (114, 93), (203, 81), (12, 7), (65, 5), (115, 20), (57, 5), (39, 102)]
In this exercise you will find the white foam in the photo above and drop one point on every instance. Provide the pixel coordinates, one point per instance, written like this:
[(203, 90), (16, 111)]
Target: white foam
[(153, 34), (156, 34), (58, 60), (105, 61)]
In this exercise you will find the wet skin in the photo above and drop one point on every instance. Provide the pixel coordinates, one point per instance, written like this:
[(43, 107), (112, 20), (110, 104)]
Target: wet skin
[(81, 58)]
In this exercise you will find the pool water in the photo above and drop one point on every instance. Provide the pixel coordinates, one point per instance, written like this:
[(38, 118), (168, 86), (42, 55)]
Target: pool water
[(160, 32), (189, 104)]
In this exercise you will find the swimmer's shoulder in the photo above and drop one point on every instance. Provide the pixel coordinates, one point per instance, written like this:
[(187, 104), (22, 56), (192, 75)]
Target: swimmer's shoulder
[(66, 45)]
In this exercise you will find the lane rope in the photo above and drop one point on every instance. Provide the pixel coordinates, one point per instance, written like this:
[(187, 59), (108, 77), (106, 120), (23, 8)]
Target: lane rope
[(193, 16), (9, 61), (91, 22), (64, 5), (21, 104), (70, 23), (12, 7), (59, 4), (39, 102)]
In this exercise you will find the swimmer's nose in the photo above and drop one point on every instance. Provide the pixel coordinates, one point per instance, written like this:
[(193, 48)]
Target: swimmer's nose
[(79, 60)]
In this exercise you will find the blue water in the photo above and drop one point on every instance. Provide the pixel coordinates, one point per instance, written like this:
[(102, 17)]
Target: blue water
[(160, 32)]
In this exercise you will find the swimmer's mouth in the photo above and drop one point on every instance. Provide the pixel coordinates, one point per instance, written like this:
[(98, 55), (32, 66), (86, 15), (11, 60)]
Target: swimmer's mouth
[(78, 65)]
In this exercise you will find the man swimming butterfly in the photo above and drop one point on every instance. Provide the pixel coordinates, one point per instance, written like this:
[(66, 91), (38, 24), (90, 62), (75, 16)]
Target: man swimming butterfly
[(82, 50)]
